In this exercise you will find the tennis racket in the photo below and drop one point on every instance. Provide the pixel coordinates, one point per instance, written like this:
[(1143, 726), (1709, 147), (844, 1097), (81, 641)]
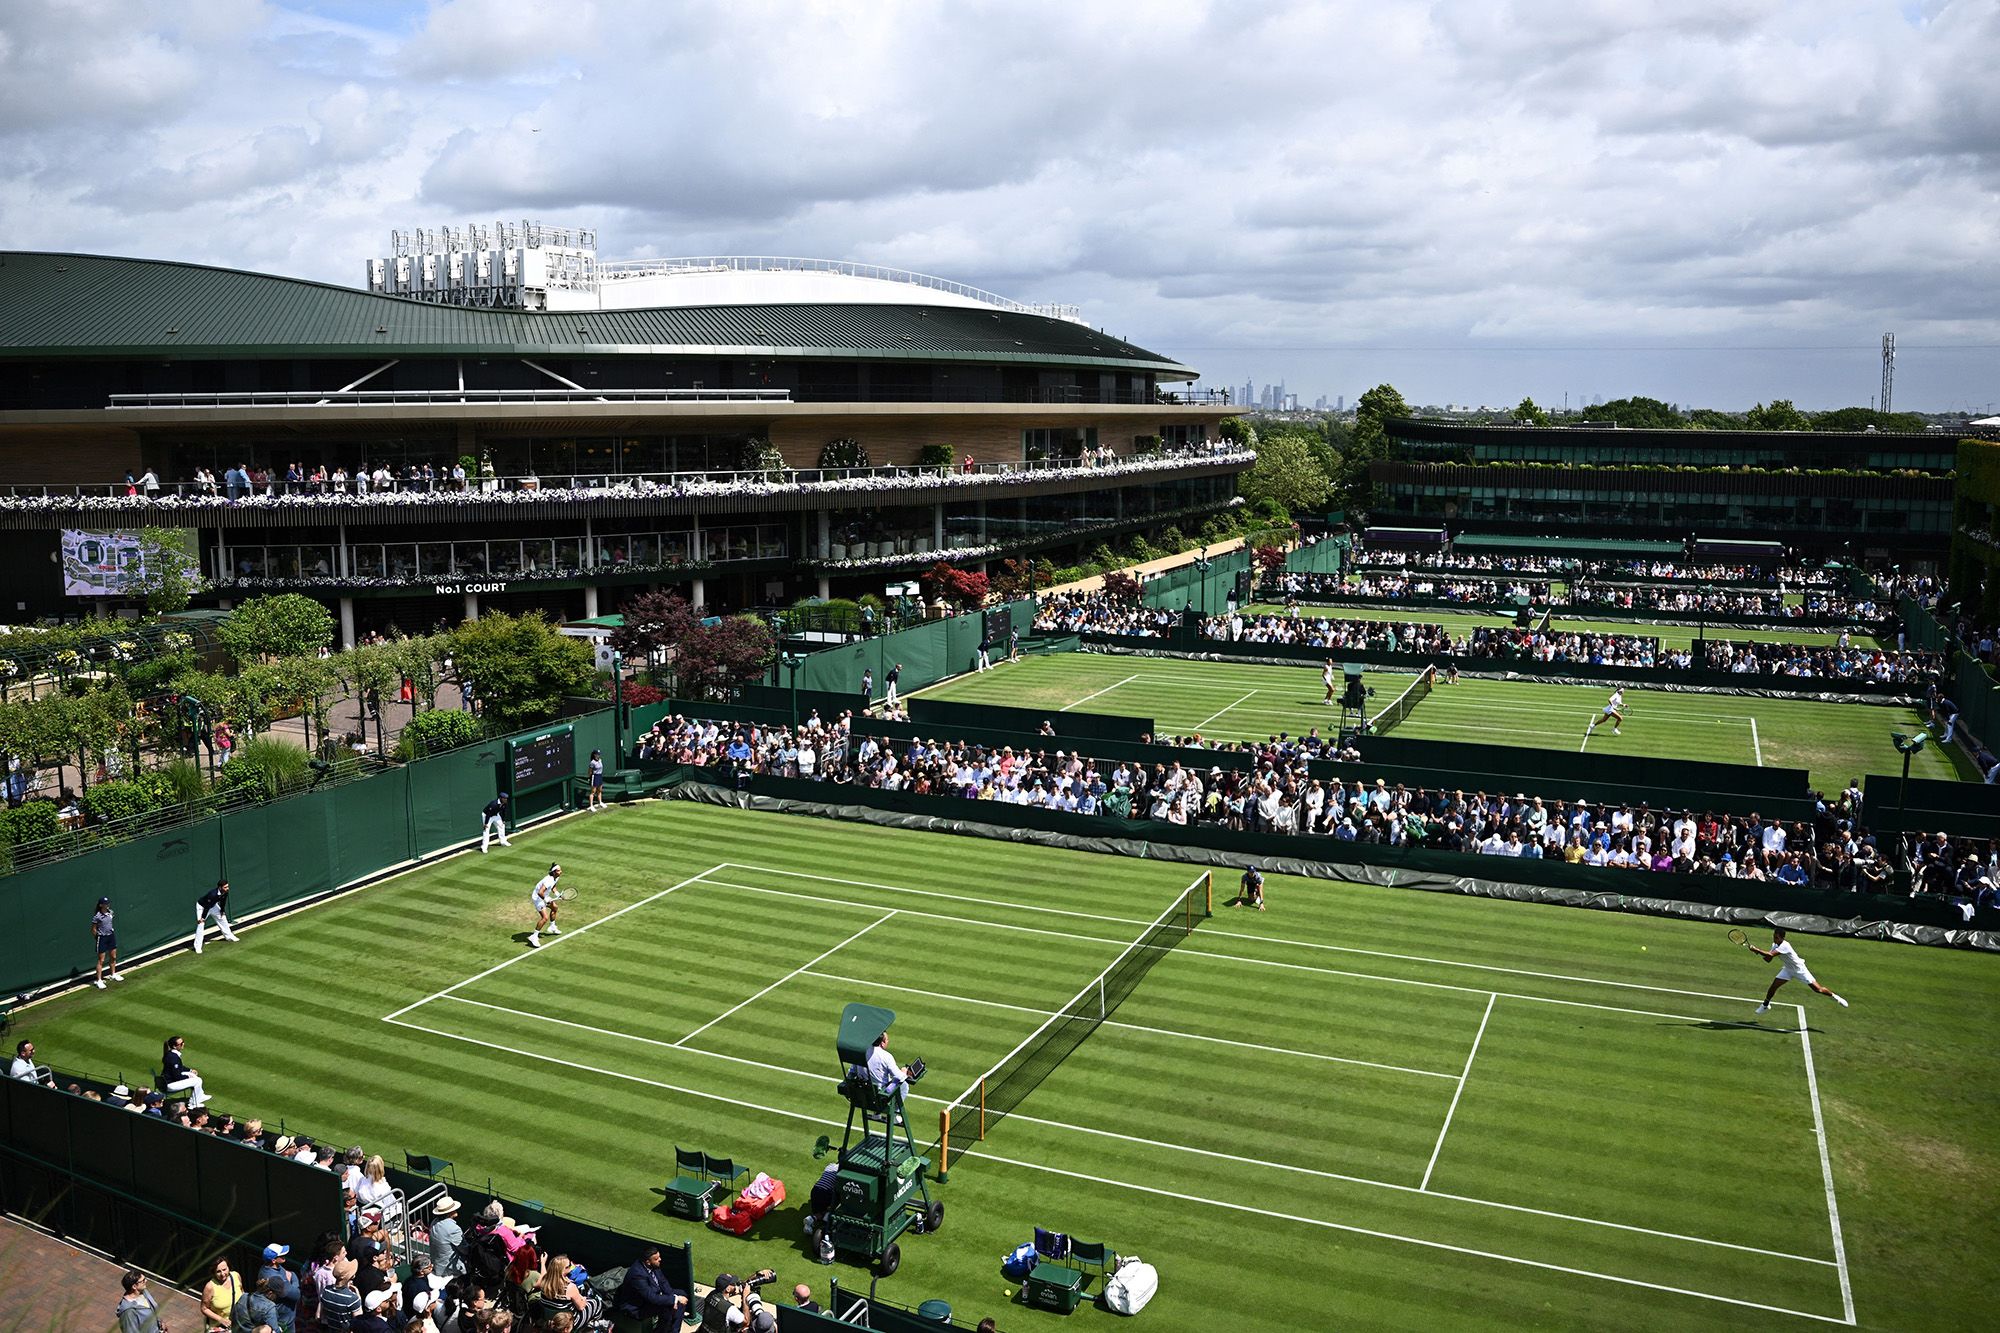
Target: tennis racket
[(563, 896), (1738, 937)]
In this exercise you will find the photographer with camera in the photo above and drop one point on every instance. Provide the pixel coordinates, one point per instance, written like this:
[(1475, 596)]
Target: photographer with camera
[(735, 1304)]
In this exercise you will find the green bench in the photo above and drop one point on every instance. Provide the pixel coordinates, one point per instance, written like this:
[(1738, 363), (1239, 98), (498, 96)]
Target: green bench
[(699, 1178)]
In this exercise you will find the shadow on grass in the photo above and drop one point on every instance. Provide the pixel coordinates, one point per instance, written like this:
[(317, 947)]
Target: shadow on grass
[(1742, 1025)]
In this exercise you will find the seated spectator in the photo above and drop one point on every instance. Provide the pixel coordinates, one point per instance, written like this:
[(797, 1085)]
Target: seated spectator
[(25, 1069), (646, 1293)]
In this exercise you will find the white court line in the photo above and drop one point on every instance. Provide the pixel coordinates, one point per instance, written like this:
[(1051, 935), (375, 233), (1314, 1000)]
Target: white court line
[(1219, 933), (530, 953), (1130, 1027), (1129, 1138), (1452, 1110), (1219, 712), (768, 1109), (782, 980), (1826, 1168), (1088, 697), (1755, 744)]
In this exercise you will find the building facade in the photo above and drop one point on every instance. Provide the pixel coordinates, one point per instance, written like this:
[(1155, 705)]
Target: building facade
[(409, 461), (1888, 496)]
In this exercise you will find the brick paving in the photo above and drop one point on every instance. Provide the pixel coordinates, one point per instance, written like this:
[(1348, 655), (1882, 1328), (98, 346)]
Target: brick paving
[(49, 1287)]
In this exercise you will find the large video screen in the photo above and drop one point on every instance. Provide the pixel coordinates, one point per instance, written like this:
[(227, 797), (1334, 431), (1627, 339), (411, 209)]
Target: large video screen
[(101, 564)]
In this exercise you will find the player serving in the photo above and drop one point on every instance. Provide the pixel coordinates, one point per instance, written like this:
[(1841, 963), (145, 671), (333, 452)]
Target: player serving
[(1614, 708), (547, 899), (1791, 967)]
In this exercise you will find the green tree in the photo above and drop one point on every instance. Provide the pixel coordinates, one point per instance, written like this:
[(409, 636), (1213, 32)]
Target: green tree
[(521, 668), (1236, 431), (1780, 415), (312, 682), (1707, 418), (170, 571), (1638, 414), (1287, 472), (1529, 414), (1861, 418), (1381, 403), (285, 625)]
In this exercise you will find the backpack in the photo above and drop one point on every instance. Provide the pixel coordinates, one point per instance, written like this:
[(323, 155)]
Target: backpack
[(1128, 1289), (1018, 1264), (485, 1255)]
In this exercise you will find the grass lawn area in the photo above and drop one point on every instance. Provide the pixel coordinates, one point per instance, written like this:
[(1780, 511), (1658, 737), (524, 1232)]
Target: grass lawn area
[(1413, 1110), (1231, 701), (1670, 636)]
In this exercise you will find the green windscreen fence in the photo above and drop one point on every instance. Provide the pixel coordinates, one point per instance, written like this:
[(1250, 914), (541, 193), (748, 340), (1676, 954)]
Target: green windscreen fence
[(1975, 692), (1322, 557), (1027, 722), (273, 855), (928, 653), (1185, 585), (1562, 766)]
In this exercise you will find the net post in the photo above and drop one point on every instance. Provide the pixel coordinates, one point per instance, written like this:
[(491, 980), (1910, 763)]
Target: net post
[(1208, 893), (982, 1110), (944, 1141)]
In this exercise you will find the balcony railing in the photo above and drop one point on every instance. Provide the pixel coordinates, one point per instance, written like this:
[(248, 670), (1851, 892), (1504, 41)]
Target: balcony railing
[(173, 496), (453, 397)]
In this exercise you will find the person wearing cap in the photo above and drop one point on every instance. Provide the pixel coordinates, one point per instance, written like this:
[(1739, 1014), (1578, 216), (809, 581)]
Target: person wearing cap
[(495, 815), (646, 1293), (285, 1282), (104, 934), (543, 897), (1252, 894), (376, 1307), (339, 1298), (446, 1237), (733, 1303)]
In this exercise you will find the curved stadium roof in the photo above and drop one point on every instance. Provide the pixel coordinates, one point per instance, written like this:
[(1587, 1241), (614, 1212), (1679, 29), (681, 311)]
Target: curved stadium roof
[(66, 305)]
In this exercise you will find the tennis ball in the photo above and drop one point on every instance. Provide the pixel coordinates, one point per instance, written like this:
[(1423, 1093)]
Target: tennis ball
[(1642, 948)]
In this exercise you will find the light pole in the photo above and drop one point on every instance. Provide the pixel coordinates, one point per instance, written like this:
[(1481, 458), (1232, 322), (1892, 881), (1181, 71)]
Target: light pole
[(1201, 564), (792, 662), (1905, 746), (617, 710)]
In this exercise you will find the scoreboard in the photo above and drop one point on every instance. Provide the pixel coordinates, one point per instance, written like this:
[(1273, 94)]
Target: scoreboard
[(542, 759)]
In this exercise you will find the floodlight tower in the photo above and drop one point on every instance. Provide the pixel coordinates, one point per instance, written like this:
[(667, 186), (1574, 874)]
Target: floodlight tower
[(1888, 370)]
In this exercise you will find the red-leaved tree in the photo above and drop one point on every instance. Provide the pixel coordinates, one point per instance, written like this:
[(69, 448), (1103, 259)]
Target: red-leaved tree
[(656, 624), (713, 660), (953, 584), (1269, 558), (1121, 585)]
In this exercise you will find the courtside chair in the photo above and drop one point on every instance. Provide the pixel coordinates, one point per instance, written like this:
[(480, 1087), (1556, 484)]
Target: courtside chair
[(422, 1164), (1055, 1284), (723, 1171), (691, 1193)]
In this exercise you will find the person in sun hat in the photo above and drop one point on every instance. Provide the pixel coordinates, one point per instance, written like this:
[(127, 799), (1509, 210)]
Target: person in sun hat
[(446, 1237)]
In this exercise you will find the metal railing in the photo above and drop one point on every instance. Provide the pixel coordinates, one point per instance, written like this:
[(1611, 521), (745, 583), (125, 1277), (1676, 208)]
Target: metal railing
[(361, 489), (626, 269), (454, 397)]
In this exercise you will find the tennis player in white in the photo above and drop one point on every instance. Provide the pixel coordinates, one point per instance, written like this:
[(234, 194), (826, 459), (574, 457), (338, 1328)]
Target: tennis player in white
[(1326, 679), (1614, 708), (545, 901), (1791, 967)]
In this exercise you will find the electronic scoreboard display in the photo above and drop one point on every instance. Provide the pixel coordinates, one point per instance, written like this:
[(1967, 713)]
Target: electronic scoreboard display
[(542, 759)]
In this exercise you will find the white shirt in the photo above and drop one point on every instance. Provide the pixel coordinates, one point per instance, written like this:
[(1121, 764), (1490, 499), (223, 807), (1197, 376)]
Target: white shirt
[(544, 887), (23, 1070), (882, 1067), (1788, 957)]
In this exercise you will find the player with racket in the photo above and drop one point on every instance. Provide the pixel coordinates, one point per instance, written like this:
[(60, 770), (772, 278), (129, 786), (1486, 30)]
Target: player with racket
[(547, 899), (1614, 709), (1791, 967)]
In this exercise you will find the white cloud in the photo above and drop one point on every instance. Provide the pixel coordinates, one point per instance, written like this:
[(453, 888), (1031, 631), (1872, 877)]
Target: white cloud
[(1223, 181)]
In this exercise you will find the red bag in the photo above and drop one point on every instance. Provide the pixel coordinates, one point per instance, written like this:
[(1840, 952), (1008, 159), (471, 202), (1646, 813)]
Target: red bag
[(737, 1218)]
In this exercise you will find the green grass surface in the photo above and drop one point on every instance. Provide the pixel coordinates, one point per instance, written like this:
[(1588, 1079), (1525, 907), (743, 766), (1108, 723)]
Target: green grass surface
[(1231, 701), (1366, 1108), (1670, 636)]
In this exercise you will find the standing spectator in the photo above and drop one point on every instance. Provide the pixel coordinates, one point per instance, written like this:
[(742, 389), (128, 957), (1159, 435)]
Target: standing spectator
[(213, 906), (867, 687), (257, 1309), (104, 931), (889, 683), (219, 1295), (985, 662), (375, 1191), (175, 1075), (281, 1284), (496, 823), (225, 740), (446, 1237), (138, 1312), (340, 1300), (1013, 643), (646, 1294), (149, 483), (596, 780)]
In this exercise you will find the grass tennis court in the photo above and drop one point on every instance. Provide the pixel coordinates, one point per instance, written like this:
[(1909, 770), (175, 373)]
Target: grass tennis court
[(1670, 636), (1412, 1110), (1232, 701)]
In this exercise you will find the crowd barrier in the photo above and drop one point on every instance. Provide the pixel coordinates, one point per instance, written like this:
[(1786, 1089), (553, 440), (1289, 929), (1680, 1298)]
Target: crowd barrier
[(147, 1190), (1363, 862), (1972, 687), (1971, 808), (1322, 557), (1027, 722), (273, 855), (1189, 642), (1568, 766)]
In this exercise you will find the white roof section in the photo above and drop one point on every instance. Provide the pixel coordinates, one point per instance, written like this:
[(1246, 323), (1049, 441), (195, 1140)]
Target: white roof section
[(787, 280)]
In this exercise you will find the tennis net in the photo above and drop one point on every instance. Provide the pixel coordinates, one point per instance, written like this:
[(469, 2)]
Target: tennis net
[(1399, 708), (1002, 1088)]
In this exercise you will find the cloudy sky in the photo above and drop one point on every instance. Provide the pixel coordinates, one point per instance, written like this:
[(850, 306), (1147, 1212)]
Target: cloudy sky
[(1707, 201)]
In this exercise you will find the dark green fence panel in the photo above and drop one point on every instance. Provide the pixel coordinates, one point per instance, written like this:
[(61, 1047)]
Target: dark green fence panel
[(368, 826), (1971, 808), (1571, 766)]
